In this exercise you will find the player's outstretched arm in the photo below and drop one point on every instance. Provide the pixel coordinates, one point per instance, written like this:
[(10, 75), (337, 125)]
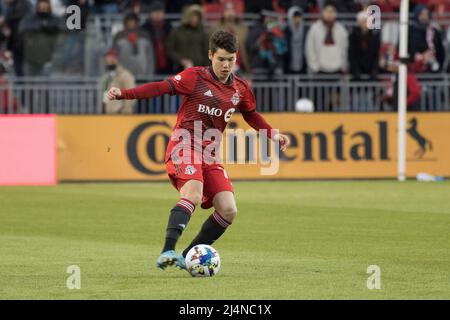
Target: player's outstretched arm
[(257, 122), (145, 91)]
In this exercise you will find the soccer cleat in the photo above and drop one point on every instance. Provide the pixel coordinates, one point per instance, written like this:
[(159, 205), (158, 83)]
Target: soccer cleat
[(181, 263), (167, 258)]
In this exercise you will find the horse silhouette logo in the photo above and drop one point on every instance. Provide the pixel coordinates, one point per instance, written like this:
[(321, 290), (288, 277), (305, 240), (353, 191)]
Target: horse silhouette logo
[(424, 143)]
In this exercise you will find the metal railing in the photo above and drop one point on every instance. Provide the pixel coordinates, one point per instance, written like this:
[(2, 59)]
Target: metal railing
[(47, 95), (62, 95)]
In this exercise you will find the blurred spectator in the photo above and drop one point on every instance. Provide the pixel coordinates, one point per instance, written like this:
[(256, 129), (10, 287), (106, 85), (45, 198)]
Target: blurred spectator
[(448, 50), (252, 40), (40, 34), (295, 33), (8, 103), (388, 5), (231, 22), (58, 7), (188, 43), (308, 6), (159, 29), (5, 34), (327, 44), (387, 53), (177, 6), (69, 57), (348, 6), (105, 6), (256, 6), (413, 90), (390, 30), (15, 11), (138, 6), (266, 44), (116, 76), (425, 41), (440, 10), (364, 47), (389, 61), (214, 9), (135, 47)]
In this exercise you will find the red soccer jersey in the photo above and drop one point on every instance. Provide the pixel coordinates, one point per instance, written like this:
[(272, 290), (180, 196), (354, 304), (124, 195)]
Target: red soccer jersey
[(208, 101)]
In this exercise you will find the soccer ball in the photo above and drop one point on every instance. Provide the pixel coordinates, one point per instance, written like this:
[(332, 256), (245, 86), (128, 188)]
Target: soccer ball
[(304, 105), (203, 261)]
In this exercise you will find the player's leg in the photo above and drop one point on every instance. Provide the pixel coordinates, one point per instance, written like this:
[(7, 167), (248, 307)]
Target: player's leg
[(218, 193), (188, 180), (218, 222), (190, 197)]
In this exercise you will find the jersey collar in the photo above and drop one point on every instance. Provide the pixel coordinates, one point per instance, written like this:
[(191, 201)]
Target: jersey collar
[(230, 78)]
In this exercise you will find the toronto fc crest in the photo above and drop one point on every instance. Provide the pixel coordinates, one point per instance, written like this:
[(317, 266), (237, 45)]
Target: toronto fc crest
[(235, 98), (190, 170)]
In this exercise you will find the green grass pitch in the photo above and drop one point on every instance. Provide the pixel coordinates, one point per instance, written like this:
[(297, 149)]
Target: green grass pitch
[(290, 240)]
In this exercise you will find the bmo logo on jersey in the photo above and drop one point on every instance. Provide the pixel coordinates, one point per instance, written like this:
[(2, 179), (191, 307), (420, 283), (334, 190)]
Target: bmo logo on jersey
[(210, 111), (216, 111)]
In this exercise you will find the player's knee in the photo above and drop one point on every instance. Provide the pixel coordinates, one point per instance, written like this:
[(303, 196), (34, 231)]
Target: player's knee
[(193, 191), (194, 197), (228, 213)]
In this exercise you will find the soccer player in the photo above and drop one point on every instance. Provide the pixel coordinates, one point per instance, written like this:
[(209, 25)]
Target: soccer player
[(210, 97)]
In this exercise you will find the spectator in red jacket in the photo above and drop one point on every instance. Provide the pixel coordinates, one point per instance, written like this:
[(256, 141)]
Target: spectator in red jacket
[(159, 28), (8, 103), (390, 62)]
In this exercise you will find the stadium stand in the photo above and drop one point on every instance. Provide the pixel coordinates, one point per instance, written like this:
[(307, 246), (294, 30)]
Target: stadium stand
[(69, 82)]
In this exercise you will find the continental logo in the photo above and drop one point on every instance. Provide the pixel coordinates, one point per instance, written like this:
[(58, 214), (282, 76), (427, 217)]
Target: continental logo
[(340, 145), (424, 144), (336, 144), (147, 143), (146, 147)]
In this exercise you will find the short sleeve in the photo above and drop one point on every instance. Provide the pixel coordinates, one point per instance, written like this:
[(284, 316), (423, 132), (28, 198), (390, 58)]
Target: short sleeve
[(248, 101), (183, 83)]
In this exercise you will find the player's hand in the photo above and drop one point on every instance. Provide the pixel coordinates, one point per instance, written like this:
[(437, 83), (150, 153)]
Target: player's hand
[(283, 140), (114, 93)]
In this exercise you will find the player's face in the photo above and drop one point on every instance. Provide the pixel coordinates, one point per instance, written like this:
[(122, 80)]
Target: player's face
[(223, 63)]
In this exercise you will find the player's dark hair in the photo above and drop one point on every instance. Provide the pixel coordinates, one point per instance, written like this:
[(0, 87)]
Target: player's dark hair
[(223, 40)]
